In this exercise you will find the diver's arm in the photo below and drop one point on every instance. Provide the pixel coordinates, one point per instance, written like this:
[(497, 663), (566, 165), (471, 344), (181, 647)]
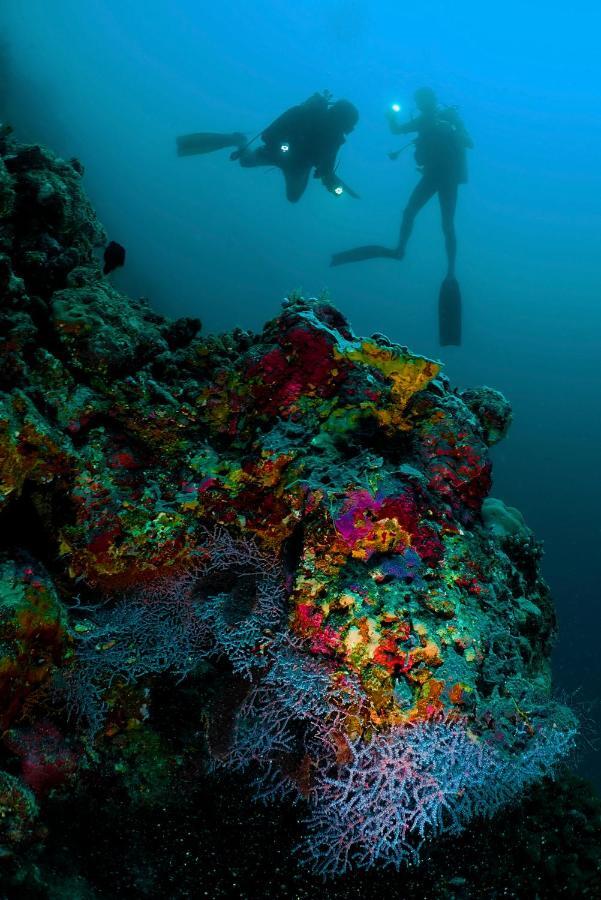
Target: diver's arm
[(397, 127), (328, 178), (326, 170)]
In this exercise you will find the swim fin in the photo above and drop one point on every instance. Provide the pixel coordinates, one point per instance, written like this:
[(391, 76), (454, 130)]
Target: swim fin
[(449, 313), (359, 254), (207, 142)]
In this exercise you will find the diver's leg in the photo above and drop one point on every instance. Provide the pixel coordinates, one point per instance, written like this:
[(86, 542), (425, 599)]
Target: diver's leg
[(424, 190), (207, 142), (447, 196), (296, 182), (249, 159)]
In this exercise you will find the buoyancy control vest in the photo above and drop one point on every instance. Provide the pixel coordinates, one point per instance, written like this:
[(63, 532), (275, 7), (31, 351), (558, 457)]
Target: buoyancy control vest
[(440, 145)]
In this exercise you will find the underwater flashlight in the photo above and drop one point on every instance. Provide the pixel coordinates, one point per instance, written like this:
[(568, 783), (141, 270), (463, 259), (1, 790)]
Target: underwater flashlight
[(396, 107), (285, 148), (339, 190)]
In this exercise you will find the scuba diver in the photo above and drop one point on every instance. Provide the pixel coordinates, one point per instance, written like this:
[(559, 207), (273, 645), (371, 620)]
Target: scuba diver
[(304, 138), (440, 156)]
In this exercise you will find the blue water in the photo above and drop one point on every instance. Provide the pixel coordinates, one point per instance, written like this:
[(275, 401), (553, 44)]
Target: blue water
[(114, 82)]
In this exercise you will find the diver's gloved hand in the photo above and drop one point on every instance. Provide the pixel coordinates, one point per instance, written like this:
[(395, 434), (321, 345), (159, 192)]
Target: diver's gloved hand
[(332, 184)]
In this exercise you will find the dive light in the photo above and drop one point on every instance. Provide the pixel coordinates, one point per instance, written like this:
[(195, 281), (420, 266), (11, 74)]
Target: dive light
[(284, 148), (396, 107)]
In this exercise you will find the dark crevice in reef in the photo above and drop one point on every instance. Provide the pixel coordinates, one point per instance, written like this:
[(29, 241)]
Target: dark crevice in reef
[(25, 524), (396, 447), (292, 548)]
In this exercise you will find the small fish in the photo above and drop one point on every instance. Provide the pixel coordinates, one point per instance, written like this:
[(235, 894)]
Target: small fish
[(114, 257)]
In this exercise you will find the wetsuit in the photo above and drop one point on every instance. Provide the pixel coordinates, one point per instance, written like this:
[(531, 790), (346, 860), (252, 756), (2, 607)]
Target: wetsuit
[(440, 154), (302, 138)]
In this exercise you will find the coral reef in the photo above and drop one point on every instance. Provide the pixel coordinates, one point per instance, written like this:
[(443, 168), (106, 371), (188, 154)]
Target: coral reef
[(273, 553)]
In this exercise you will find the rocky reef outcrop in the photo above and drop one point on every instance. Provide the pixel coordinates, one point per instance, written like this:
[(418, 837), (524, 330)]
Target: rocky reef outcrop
[(272, 553)]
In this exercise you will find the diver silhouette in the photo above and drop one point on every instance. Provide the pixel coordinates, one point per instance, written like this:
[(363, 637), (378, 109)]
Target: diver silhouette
[(440, 156), (305, 137)]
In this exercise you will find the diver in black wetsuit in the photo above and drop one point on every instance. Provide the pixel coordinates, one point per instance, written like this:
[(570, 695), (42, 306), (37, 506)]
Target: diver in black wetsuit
[(440, 155), (305, 137)]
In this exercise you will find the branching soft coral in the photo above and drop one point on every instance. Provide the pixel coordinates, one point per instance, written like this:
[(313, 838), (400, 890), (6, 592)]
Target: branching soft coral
[(172, 624), (414, 782)]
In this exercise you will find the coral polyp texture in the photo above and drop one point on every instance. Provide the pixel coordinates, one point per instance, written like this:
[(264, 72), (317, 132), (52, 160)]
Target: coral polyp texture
[(289, 534)]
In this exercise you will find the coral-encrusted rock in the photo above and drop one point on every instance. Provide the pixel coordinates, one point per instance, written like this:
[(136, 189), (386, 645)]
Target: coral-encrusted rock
[(96, 335), (49, 220), (304, 506), (492, 410), (18, 812), (503, 520), (7, 192), (33, 634), (31, 450)]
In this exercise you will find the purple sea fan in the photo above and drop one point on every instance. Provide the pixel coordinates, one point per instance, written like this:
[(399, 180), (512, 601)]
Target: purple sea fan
[(225, 604), (290, 716), (245, 619), (413, 783), (294, 691)]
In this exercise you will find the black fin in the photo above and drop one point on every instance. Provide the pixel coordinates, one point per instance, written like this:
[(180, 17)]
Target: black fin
[(449, 313), (359, 254)]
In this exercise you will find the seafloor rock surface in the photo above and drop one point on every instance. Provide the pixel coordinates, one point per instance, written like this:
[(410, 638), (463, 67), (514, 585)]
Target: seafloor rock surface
[(270, 553)]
